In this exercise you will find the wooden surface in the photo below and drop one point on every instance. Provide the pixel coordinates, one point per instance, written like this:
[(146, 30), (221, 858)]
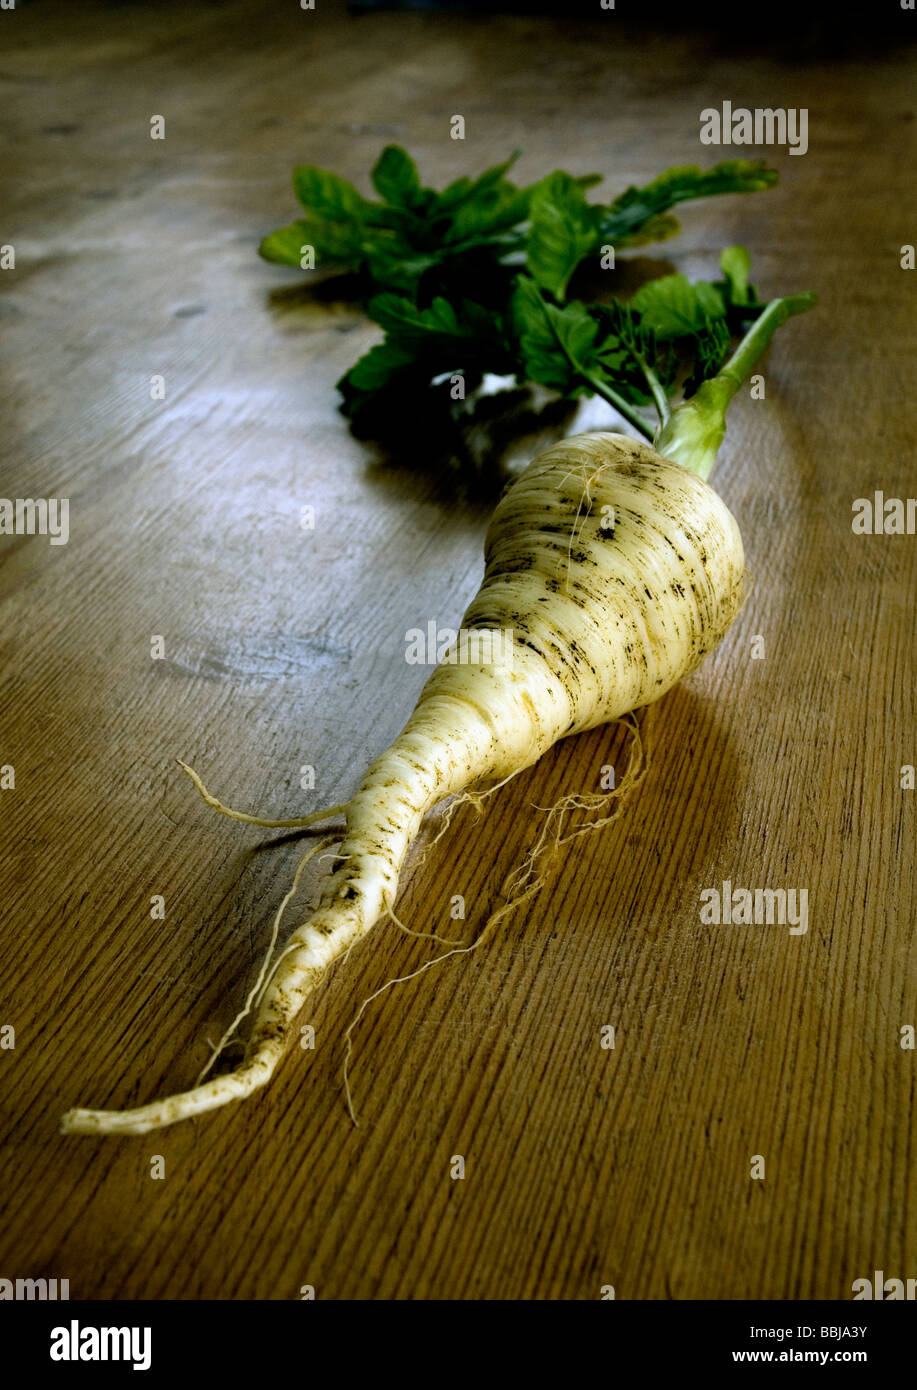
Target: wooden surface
[(584, 1166)]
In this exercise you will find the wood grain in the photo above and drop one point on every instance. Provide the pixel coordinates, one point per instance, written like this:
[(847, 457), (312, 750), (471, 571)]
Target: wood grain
[(585, 1166)]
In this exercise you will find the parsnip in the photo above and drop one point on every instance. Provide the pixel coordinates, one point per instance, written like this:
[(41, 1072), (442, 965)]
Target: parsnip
[(616, 569)]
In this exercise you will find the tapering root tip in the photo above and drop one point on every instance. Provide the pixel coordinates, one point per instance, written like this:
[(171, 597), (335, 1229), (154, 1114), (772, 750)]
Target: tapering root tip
[(184, 1105), (279, 1005)]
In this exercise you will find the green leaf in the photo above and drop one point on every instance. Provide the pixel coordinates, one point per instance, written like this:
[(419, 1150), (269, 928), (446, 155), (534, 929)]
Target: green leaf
[(376, 368), (710, 350), (735, 263), (741, 297), (400, 316), (342, 225), (542, 329), (562, 233), (660, 227), (395, 179), (479, 220), (327, 196), (382, 389), (284, 247), (463, 189), (415, 231), (334, 243), (404, 321), (631, 213), (474, 213), (397, 266), (420, 344), (674, 308), (627, 343)]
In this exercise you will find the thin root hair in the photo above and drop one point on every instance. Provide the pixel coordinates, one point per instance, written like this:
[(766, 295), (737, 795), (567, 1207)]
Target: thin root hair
[(516, 889), (261, 983), (298, 823)]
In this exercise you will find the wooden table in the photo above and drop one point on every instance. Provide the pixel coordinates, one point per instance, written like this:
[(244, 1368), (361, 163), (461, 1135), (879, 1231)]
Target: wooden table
[(585, 1166)]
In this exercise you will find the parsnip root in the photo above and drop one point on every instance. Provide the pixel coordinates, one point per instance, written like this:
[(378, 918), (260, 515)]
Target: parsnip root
[(602, 623)]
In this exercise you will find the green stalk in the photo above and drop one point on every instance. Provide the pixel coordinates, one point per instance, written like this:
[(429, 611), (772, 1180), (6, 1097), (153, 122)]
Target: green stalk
[(695, 429), (660, 399), (609, 394)]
